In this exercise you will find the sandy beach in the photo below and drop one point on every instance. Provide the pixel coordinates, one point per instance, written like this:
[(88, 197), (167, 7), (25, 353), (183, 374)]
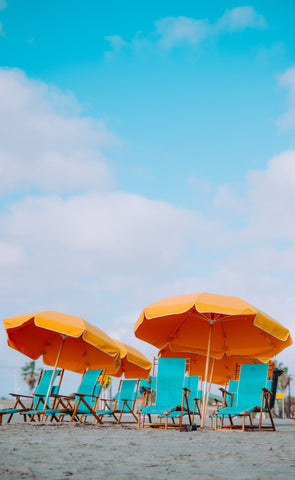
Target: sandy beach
[(59, 451)]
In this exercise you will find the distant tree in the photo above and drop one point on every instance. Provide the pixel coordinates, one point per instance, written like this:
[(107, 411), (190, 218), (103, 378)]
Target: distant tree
[(284, 381), (30, 374)]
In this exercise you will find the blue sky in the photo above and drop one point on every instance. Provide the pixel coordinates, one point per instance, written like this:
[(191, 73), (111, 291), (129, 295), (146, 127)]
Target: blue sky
[(147, 150)]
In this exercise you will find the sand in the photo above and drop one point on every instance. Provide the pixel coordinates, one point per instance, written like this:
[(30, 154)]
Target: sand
[(60, 451)]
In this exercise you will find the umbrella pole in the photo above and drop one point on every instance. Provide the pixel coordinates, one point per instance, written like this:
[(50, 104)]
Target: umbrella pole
[(209, 388), (53, 373), (203, 414)]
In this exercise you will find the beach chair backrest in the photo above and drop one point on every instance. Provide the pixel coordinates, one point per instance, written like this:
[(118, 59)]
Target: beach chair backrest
[(170, 382), (41, 388), (252, 379), (269, 384), (88, 382), (90, 385), (144, 383), (233, 387), (128, 391), (192, 382), (92, 401), (153, 382)]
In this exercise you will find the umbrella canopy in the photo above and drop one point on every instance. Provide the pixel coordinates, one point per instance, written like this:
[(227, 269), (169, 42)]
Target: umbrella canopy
[(133, 363), (65, 341), (220, 370), (231, 325)]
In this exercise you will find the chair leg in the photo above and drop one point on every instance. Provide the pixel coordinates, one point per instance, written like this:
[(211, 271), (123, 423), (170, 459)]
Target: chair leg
[(138, 420), (166, 422)]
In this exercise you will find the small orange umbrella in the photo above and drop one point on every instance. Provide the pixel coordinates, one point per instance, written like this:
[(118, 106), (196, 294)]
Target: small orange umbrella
[(133, 363), (211, 325), (65, 341)]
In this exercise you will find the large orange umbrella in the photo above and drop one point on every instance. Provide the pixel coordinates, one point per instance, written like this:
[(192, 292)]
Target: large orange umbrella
[(212, 325), (133, 363), (65, 341)]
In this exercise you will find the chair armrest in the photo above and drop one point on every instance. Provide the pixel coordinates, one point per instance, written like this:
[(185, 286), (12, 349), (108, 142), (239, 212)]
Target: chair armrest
[(20, 395), (225, 391), (66, 397), (177, 408), (42, 395), (85, 395), (217, 400), (185, 389)]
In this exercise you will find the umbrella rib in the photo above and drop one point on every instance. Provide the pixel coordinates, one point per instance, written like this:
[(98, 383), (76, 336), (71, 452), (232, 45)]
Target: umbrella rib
[(204, 317), (224, 337), (179, 325), (226, 366), (85, 353), (49, 342), (269, 340)]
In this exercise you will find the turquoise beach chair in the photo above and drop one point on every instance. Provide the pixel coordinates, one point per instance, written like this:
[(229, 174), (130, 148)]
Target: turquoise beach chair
[(194, 395), (124, 403), (80, 404), (38, 397), (225, 401), (146, 389), (170, 394), (252, 395)]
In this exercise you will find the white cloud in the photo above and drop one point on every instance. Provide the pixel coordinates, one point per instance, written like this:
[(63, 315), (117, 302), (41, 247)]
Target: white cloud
[(272, 194), (115, 227), (181, 31), (287, 80), (240, 18), (266, 54), (227, 199), (47, 145), (3, 4), (171, 32), (10, 254), (117, 43)]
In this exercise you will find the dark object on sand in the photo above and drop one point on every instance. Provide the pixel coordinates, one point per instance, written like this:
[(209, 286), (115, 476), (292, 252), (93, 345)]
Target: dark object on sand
[(189, 428), (276, 374)]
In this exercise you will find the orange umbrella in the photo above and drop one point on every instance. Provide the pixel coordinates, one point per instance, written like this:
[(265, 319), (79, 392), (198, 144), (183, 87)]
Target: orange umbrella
[(233, 326), (65, 341), (211, 325), (133, 363)]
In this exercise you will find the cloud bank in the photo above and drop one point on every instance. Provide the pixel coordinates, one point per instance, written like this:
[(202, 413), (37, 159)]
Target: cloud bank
[(174, 32), (47, 145)]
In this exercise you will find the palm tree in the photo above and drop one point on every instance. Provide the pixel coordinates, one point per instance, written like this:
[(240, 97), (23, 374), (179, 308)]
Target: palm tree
[(284, 382), (30, 374)]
